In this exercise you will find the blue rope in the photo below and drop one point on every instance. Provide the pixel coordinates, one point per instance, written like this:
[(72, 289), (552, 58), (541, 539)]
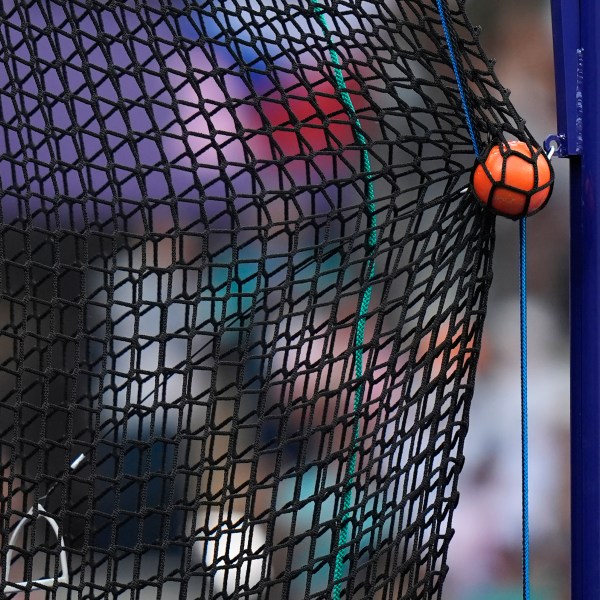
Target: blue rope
[(523, 318), (461, 89), (524, 422)]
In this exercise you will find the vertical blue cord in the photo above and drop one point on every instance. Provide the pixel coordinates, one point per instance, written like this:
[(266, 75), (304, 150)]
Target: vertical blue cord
[(459, 83), (524, 421), (523, 317)]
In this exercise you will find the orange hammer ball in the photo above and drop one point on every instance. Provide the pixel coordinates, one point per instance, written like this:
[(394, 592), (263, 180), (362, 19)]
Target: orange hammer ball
[(505, 179)]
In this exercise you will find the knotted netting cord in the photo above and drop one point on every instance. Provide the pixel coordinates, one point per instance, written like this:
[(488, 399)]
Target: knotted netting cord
[(186, 232)]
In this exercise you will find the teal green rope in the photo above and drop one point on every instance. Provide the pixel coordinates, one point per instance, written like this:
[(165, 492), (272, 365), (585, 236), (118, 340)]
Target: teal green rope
[(364, 303)]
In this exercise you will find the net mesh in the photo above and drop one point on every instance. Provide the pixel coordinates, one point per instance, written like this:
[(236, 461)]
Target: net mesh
[(188, 408)]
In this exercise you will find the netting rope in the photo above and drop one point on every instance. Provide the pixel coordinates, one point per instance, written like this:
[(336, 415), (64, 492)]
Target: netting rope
[(244, 276)]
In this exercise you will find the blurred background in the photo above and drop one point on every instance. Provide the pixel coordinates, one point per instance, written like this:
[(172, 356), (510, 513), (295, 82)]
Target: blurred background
[(485, 555)]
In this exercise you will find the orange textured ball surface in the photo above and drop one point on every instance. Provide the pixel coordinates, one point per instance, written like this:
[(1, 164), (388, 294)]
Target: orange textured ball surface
[(506, 181)]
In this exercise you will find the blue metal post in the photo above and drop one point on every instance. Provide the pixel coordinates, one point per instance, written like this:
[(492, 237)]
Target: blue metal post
[(577, 60)]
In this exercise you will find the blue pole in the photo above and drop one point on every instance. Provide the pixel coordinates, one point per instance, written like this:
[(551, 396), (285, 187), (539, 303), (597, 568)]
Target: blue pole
[(585, 324), (577, 60)]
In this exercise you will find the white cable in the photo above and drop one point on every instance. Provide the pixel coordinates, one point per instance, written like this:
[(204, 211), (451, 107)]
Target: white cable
[(13, 588)]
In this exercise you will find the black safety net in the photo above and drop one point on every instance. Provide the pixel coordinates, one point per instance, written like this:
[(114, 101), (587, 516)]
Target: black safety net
[(242, 287)]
